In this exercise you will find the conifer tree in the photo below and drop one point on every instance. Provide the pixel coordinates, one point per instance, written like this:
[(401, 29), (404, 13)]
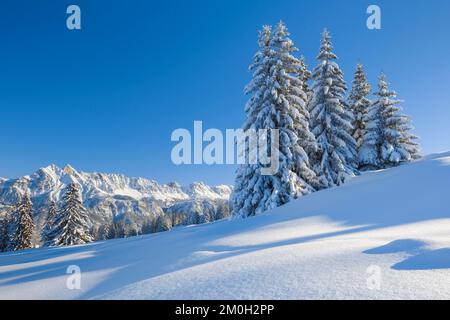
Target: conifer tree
[(388, 140), (163, 223), (331, 120), (278, 102), (359, 105), (71, 227), (104, 231), (49, 224), (290, 76), (242, 201), (4, 231), (25, 225), (305, 76)]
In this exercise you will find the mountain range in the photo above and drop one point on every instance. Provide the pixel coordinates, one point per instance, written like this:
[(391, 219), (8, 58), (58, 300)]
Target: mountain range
[(116, 197)]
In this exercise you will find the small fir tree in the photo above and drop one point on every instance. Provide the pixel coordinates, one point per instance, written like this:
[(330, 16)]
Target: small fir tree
[(71, 225), (25, 226)]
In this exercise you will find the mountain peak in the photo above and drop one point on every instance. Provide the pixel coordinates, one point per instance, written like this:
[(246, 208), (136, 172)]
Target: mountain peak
[(69, 170), (199, 190), (51, 170), (51, 167)]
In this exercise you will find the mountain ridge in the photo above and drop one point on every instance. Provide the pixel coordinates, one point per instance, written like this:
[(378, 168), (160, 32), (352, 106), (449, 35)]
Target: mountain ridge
[(110, 196)]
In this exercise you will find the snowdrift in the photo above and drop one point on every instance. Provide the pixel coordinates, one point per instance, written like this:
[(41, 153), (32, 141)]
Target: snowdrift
[(384, 235)]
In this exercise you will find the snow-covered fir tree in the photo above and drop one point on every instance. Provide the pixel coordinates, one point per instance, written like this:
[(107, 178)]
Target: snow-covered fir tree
[(387, 140), (359, 104), (290, 77), (71, 224), (348, 117), (305, 76), (5, 221), (163, 223), (278, 102), (23, 235), (331, 119), (103, 232), (409, 141), (49, 224)]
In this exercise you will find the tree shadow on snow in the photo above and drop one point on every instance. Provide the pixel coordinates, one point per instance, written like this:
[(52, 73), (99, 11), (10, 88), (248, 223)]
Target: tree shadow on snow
[(420, 257), (402, 245), (131, 264), (427, 260)]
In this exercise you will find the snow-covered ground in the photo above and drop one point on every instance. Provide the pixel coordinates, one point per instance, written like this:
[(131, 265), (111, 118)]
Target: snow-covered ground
[(385, 235)]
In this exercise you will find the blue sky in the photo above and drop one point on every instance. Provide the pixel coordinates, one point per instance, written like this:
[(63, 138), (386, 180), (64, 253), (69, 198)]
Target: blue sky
[(107, 98)]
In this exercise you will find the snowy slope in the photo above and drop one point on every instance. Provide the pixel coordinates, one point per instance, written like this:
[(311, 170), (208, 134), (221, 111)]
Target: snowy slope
[(325, 245)]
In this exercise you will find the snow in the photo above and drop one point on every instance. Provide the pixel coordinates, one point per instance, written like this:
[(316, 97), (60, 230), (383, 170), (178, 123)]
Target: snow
[(321, 246)]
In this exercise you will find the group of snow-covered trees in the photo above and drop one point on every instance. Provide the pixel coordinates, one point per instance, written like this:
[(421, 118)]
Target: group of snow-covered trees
[(325, 134), (66, 226)]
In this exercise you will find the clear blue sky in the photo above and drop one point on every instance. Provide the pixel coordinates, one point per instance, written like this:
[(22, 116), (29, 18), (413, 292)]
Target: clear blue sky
[(107, 98)]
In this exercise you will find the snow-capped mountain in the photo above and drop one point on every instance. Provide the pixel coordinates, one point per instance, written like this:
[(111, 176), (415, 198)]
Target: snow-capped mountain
[(110, 197)]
